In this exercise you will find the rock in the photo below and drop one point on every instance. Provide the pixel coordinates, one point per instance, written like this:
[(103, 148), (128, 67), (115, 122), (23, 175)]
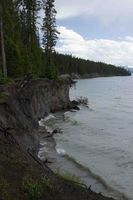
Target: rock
[(82, 100), (74, 105), (75, 102), (57, 130)]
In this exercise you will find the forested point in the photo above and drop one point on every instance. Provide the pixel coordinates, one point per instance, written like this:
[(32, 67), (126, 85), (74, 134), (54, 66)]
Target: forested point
[(22, 51), (68, 64)]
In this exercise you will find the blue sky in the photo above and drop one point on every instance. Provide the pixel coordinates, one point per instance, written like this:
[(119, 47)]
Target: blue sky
[(100, 30)]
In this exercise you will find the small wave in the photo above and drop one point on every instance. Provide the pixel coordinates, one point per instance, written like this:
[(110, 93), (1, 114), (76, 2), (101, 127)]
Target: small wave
[(118, 98), (79, 165), (43, 121), (69, 119), (61, 151), (49, 117), (74, 122), (98, 178), (42, 143)]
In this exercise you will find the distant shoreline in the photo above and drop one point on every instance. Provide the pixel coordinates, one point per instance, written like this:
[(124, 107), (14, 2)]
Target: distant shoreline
[(93, 75)]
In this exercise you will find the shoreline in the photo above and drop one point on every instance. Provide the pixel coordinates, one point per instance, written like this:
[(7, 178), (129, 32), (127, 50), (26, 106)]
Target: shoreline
[(61, 163), (21, 108), (93, 75)]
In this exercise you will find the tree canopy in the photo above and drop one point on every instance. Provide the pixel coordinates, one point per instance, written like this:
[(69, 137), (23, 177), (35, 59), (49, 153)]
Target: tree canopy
[(21, 50)]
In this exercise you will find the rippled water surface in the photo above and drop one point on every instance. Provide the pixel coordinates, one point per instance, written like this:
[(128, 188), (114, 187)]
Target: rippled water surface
[(101, 137)]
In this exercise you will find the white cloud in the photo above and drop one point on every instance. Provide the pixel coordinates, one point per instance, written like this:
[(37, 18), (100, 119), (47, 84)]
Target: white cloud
[(129, 38), (110, 51), (104, 10)]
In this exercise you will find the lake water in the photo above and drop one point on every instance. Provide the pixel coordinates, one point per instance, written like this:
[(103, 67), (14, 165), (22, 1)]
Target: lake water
[(101, 137)]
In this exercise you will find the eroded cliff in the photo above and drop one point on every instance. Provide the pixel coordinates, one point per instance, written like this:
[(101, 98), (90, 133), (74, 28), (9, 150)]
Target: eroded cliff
[(22, 107), (22, 175)]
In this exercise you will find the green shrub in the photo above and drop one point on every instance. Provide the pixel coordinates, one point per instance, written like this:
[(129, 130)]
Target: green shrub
[(32, 188)]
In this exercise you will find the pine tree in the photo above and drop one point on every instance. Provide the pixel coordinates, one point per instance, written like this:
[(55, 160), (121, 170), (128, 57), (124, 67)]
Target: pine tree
[(2, 42), (50, 36), (13, 44)]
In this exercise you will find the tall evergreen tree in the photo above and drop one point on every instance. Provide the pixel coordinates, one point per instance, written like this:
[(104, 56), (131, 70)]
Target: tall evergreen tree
[(28, 14), (50, 36), (13, 44), (2, 42)]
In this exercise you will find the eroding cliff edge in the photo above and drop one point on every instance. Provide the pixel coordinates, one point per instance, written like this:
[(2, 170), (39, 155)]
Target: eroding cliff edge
[(22, 175), (22, 107)]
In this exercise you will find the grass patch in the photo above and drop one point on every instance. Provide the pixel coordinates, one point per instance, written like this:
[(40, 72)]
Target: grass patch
[(47, 183), (34, 189)]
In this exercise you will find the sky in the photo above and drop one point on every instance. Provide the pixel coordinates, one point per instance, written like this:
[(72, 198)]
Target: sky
[(99, 30)]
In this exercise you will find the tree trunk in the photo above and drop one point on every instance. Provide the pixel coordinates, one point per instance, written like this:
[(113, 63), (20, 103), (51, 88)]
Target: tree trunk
[(3, 46)]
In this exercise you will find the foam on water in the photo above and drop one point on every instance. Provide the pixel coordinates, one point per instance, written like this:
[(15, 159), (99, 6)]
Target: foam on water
[(61, 151)]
